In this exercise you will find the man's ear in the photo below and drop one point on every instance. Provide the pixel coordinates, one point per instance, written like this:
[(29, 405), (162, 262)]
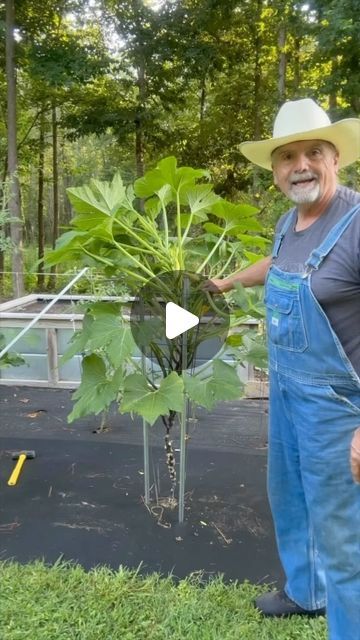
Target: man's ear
[(275, 181)]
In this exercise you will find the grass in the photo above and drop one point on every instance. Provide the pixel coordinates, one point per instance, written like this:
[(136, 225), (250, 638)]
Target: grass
[(65, 602)]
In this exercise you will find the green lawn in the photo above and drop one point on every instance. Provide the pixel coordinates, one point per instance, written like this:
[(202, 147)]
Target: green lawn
[(64, 602)]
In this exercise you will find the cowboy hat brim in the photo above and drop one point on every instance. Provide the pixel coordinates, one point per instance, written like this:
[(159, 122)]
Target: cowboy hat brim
[(344, 135)]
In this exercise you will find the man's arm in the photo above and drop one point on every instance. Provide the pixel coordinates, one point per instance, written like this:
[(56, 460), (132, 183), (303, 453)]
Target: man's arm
[(249, 277)]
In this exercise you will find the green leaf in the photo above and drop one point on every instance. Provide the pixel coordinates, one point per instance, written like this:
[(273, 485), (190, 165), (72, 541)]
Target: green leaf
[(199, 198), (255, 351), (211, 227), (84, 200), (90, 220), (97, 390), (239, 296), (150, 184), (68, 247), (96, 227), (118, 191), (153, 207), (233, 212), (254, 241), (177, 178), (234, 340), (109, 195), (11, 359), (121, 347), (165, 194), (105, 330), (225, 384), (139, 397), (252, 257), (98, 197), (250, 224), (199, 391), (166, 174), (78, 342)]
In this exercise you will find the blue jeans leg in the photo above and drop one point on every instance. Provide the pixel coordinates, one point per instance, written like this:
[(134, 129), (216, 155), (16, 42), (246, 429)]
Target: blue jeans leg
[(293, 526), (325, 425)]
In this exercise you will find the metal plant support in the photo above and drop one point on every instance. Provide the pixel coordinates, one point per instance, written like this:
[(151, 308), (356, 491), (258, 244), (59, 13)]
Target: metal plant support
[(183, 423), (145, 429), (42, 312)]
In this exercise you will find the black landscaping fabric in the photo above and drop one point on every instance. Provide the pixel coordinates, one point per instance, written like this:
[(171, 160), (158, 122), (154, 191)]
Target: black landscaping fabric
[(81, 498)]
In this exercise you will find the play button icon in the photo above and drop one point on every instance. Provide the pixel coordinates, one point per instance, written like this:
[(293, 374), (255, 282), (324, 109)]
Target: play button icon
[(178, 320), (176, 323)]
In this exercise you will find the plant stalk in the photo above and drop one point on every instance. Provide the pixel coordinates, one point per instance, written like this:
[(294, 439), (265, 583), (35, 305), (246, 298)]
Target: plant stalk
[(208, 258)]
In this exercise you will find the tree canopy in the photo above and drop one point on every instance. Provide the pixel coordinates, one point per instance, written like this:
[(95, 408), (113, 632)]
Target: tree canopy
[(104, 85)]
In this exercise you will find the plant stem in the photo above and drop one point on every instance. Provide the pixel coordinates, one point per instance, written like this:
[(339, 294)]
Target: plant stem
[(134, 260), (135, 275), (187, 228), (211, 252), (138, 238), (212, 304), (166, 226), (220, 273), (97, 257), (178, 225)]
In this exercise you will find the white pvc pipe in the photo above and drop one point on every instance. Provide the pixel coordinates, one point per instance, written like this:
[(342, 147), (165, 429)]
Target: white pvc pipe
[(45, 309)]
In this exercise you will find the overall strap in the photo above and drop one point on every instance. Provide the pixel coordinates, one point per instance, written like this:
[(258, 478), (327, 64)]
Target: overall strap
[(280, 236), (317, 255)]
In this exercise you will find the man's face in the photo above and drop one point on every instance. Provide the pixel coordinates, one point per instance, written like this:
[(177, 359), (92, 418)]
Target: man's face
[(305, 171)]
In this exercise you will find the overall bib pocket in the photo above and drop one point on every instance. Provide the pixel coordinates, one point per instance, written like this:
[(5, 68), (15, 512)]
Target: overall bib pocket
[(285, 324)]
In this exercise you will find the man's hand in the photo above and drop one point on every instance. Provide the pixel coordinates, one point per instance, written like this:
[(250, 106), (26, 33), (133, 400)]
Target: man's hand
[(249, 277), (355, 456), (217, 285)]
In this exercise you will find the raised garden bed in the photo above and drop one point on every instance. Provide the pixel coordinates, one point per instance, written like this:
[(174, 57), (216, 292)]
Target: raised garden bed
[(48, 340)]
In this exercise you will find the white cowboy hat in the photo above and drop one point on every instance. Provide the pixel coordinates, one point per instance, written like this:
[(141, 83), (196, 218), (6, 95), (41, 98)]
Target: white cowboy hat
[(305, 120)]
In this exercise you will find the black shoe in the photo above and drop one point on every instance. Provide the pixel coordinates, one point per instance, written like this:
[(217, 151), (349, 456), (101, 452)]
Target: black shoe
[(277, 603)]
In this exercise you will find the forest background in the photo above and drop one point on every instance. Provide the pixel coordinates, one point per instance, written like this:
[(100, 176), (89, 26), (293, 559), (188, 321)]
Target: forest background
[(90, 87)]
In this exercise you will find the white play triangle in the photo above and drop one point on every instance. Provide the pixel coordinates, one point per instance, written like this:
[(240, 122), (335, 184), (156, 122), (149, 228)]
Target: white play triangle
[(178, 320)]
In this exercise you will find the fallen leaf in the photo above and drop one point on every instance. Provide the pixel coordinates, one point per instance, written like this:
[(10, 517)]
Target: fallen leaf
[(24, 400)]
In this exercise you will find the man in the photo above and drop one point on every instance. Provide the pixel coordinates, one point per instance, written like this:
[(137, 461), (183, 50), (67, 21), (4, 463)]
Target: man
[(312, 295)]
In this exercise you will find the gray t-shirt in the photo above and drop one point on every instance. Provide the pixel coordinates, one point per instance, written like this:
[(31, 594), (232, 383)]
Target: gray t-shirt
[(336, 284)]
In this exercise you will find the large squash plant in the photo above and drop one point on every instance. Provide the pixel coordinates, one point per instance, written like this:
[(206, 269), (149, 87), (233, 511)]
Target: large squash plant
[(169, 220)]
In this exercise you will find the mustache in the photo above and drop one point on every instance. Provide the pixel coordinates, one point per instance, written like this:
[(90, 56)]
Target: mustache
[(306, 175)]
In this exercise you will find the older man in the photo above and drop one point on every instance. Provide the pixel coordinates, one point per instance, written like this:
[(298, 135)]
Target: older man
[(312, 296)]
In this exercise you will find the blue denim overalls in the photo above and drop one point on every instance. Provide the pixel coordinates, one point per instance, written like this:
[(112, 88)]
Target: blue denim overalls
[(314, 411)]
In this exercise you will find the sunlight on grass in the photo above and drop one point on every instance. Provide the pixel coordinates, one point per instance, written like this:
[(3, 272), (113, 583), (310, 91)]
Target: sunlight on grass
[(65, 602)]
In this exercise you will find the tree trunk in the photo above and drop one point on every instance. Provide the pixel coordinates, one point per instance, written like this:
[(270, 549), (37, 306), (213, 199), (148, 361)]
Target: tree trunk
[(297, 76), (55, 168), (282, 63), (202, 98), (139, 129), (14, 187), (3, 230), (41, 232), (257, 84)]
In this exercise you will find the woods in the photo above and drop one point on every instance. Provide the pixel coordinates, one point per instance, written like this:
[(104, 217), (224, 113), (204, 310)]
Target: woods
[(90, 87)]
